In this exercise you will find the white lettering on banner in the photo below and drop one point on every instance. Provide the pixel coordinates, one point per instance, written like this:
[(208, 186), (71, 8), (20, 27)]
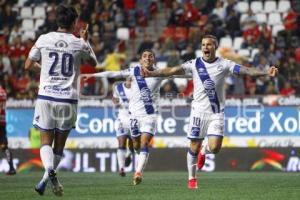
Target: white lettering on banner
[(113, 163), (290, 124), (209, 165), (102, 164), (77, 166), (94, 125), (170, 125), (4, 167), (85, 163), (242, 124), (293, 164), (275, 122)]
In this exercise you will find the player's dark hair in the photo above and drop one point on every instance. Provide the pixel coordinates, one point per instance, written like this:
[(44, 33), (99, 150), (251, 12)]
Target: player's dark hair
[(65, 16), (147, 50), (212, 37)]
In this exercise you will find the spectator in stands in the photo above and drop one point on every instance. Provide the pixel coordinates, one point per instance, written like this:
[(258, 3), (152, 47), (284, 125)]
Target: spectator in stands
[(113, 61), (169, 90), (173, 58), (9, 17), (290, 20), (265, 37), (232, 27), (189, 54), (176, 16), (250, 21), (147, 43), (288, 89)]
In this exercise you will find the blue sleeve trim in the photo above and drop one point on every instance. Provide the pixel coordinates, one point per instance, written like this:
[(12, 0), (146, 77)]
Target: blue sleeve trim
[(236, 69)]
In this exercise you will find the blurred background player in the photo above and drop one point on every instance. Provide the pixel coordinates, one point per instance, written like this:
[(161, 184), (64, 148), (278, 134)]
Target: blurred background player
[(121, 95), (142, 105), (3, 137), (60, 54), (207, 110)]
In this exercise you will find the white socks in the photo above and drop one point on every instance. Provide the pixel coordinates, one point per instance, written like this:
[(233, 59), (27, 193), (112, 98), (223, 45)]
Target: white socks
[(191, 164), (56, 161), (121, 154), (47, 157), (142, 161)]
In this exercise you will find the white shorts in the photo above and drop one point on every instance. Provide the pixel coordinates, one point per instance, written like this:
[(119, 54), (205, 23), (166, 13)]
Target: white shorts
[(50, 115), (205, 124), (123, 126), (145, 124)]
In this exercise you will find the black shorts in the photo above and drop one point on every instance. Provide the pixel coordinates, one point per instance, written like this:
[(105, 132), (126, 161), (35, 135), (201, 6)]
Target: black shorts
[(3, 138)]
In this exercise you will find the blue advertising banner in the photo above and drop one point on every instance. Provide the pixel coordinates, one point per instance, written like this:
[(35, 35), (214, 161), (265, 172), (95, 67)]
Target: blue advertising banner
[(173, 121)]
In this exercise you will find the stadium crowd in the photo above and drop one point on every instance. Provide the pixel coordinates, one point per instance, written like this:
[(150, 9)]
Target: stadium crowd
[(179, 40)]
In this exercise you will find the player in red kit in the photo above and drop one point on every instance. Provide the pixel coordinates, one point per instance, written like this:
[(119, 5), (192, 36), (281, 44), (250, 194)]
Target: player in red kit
[(3, 138)]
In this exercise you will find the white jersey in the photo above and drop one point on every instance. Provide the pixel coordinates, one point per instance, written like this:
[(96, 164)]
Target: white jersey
[(209, 82), (144, 92), (123, 94), (61, 55)]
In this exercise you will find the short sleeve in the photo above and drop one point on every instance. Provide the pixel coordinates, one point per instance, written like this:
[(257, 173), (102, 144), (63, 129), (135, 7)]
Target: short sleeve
[(115, 93), (125, 73), (35, 52), (187, 66), (232, 67)]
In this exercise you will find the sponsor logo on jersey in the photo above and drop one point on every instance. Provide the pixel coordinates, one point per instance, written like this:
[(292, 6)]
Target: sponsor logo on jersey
[(209, 84), (61, 44), (145, 94), (202, 71)]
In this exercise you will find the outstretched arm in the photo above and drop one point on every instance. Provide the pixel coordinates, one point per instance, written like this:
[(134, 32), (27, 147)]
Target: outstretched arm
[(165, 72), (108, 74), (252, 71)]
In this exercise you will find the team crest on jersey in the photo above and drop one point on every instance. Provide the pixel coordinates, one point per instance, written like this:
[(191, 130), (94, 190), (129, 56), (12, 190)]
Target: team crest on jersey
[(145, 94), (61, 44), (209, 84)]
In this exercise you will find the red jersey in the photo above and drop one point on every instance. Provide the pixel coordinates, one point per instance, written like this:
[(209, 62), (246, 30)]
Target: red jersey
[(2, 105)]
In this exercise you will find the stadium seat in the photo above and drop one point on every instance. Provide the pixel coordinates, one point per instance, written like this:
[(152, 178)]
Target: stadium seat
[(244, 52), (237, 43), (27, 24), (161, 64), (198, 53), (256, 6), (20, 3), (123, 33), (276, 29), (168, 32), (225, 42), (39, 12), (261, 18), (284, 6), (181, 33), (253, 53), (28, 35), (243, 17), (274, 19), (26, 13), (38, 23), (242, 6), (270, 6)]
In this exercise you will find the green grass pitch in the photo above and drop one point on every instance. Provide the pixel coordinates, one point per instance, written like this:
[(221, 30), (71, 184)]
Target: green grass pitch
[(158, 185)]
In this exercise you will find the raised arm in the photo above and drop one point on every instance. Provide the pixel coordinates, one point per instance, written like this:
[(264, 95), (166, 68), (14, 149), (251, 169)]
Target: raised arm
[(109, 74), (165, 72), (252, 71)]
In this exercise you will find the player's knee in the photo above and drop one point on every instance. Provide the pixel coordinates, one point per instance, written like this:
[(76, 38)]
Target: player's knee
[(214, 148)]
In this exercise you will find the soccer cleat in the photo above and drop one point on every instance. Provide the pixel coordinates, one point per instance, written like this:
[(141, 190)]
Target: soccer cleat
[(41, 187), (57, 188), (137, 178), (122, 173), (127, 161), (192, 184), (11, 172), (201, 161)]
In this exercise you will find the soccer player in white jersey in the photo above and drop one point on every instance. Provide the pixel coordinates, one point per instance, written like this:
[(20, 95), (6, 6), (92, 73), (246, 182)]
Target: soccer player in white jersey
[(207, 109), (121, 95), (142, 105), (60, 54)]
